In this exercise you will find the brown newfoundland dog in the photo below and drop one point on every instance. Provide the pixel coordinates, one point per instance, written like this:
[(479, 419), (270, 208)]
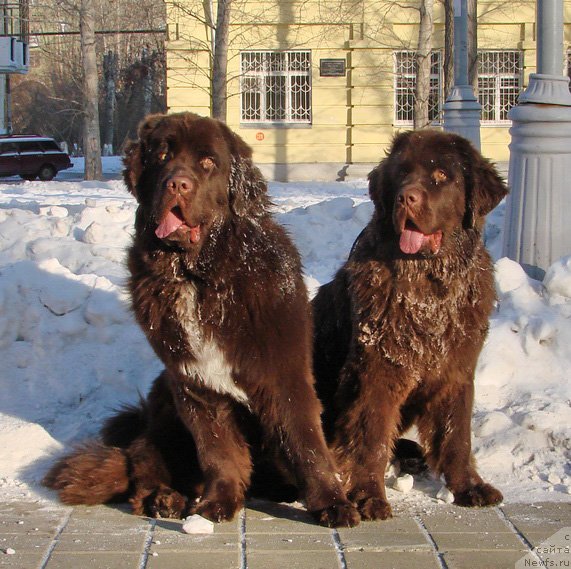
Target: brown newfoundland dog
[(216, 286), (399, 330)]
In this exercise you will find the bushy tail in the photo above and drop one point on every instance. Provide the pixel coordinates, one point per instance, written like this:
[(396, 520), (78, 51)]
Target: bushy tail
[(92, 474)]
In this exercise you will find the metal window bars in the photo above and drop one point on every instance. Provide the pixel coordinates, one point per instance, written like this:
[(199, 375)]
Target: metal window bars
[(276, 87), (404, 86), (499, 83)]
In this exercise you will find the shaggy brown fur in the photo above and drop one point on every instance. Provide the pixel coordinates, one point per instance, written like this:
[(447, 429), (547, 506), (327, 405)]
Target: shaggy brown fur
[(399, 330), (216, 286)]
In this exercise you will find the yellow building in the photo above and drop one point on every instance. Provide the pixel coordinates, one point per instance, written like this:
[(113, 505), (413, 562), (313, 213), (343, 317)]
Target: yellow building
[(319, 87)]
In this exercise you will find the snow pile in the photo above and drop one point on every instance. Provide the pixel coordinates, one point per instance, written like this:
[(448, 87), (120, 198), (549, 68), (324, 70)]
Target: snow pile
[(71, 351)]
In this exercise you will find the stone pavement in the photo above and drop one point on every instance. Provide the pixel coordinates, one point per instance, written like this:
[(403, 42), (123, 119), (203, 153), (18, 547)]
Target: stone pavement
[(273, 536)]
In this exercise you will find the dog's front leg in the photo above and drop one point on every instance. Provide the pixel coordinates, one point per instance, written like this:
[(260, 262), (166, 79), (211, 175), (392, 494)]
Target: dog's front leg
[(222, 450), (291, 412), (446, 435), (367, 402)]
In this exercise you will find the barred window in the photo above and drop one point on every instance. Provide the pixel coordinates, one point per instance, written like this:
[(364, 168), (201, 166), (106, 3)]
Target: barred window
[(276, 87), (405, 82), (499, 83)]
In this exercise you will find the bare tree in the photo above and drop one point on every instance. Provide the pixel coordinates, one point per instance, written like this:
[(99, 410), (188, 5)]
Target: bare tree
[(220, 60), (423, 65), (448, 47), (91, 136)]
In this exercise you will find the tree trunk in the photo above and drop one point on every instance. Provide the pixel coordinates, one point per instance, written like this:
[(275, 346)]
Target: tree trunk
[(110, 73), (448, 47), (473, 44), (147, 83), (220, 61), (91, 136), (423, 65)]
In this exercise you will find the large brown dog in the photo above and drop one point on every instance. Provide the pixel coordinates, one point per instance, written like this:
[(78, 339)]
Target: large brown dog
[(399, 330), (216, 286)]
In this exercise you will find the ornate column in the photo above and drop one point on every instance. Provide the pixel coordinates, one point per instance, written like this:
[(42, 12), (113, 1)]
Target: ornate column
[(537, 232)]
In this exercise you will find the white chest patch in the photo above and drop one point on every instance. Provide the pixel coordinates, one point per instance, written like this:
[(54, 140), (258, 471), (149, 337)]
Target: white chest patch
[(209, 366)]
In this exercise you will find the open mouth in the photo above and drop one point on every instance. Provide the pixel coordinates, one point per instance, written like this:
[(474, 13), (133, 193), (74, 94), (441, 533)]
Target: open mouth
[(174, 221), (412, 240)]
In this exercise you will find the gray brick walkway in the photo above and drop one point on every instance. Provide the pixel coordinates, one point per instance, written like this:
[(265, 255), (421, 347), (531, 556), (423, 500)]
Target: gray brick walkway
[(270, 536)]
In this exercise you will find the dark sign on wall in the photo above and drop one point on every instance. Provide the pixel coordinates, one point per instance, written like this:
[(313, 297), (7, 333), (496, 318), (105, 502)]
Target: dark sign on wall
[(332, 67)]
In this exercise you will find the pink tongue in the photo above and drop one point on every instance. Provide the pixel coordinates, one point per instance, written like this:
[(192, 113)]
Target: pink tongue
[(168, 225), (412, 241)]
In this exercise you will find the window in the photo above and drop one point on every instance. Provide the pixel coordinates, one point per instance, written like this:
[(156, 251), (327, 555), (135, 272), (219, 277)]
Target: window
[(405, 81), (276, 87), (29, 146), (499, 84), (568, 62)]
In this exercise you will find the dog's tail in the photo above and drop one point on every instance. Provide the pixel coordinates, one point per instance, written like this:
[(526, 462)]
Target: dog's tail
[(92, 474), (98, 472)]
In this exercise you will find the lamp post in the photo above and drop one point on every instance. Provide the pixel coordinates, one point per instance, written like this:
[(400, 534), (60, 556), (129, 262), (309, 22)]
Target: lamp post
[(536, 232), (462, 111)]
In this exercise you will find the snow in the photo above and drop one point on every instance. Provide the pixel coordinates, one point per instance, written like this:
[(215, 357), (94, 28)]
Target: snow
[(197, 524), (71, 352)]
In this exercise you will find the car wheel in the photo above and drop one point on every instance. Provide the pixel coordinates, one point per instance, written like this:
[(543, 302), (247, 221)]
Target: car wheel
[(46, 173), (29, 177)]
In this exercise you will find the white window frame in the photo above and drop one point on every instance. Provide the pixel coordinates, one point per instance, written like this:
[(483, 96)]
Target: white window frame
[(275, 87), (506, 84), (404, 83)]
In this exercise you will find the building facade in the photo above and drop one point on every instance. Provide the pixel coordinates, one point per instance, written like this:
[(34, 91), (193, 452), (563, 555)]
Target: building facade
[(319, 87)]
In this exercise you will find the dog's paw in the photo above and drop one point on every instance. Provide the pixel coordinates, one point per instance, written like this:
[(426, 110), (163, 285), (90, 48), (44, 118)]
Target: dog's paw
[(478, 496), (217, 510), (374, 509), (339, 515), (165, 503)]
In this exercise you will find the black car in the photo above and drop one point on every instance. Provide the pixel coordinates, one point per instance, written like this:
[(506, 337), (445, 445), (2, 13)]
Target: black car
[(31, 157)]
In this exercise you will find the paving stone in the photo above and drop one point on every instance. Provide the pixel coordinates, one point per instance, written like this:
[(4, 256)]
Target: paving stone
[(90, 560), (25, 541), (100, 518), (202, 543), (294, 560), (477, 541), (112, 541), (391, 560), (18, 516), (287, 543), (464, 520), (213, 560), (21, 560), (537, 522), (396, 533), (268, 517), (482, 559)]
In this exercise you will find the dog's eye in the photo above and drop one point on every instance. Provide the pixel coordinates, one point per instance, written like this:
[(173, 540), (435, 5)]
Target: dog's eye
[(163, 156), (439, 176), (207, 163)]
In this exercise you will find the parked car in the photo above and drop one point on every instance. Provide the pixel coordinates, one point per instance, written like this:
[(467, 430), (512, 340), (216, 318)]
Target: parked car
[(31, 156)]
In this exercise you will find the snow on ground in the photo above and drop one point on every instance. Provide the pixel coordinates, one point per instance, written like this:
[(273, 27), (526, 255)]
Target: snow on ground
[(71, 351)]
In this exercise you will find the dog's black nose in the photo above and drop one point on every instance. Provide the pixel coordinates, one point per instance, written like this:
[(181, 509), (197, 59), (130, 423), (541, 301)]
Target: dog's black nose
[(410, 196), (178, 184)]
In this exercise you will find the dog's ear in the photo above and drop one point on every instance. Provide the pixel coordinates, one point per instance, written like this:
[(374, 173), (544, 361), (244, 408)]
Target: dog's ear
[(247, 187), (380, 177), (134, 158), (485, 188)]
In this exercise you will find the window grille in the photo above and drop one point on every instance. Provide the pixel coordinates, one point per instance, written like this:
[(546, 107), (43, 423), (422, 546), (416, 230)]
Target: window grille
[(499, 83), (276, 87), (405, 81)]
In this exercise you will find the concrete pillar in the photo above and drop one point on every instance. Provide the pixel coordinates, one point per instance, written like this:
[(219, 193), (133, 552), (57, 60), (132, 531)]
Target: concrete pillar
[(537, 232), (462, 111)]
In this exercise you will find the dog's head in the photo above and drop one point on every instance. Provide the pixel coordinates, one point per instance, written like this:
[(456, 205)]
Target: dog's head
[(431, 184), (190, 173)]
